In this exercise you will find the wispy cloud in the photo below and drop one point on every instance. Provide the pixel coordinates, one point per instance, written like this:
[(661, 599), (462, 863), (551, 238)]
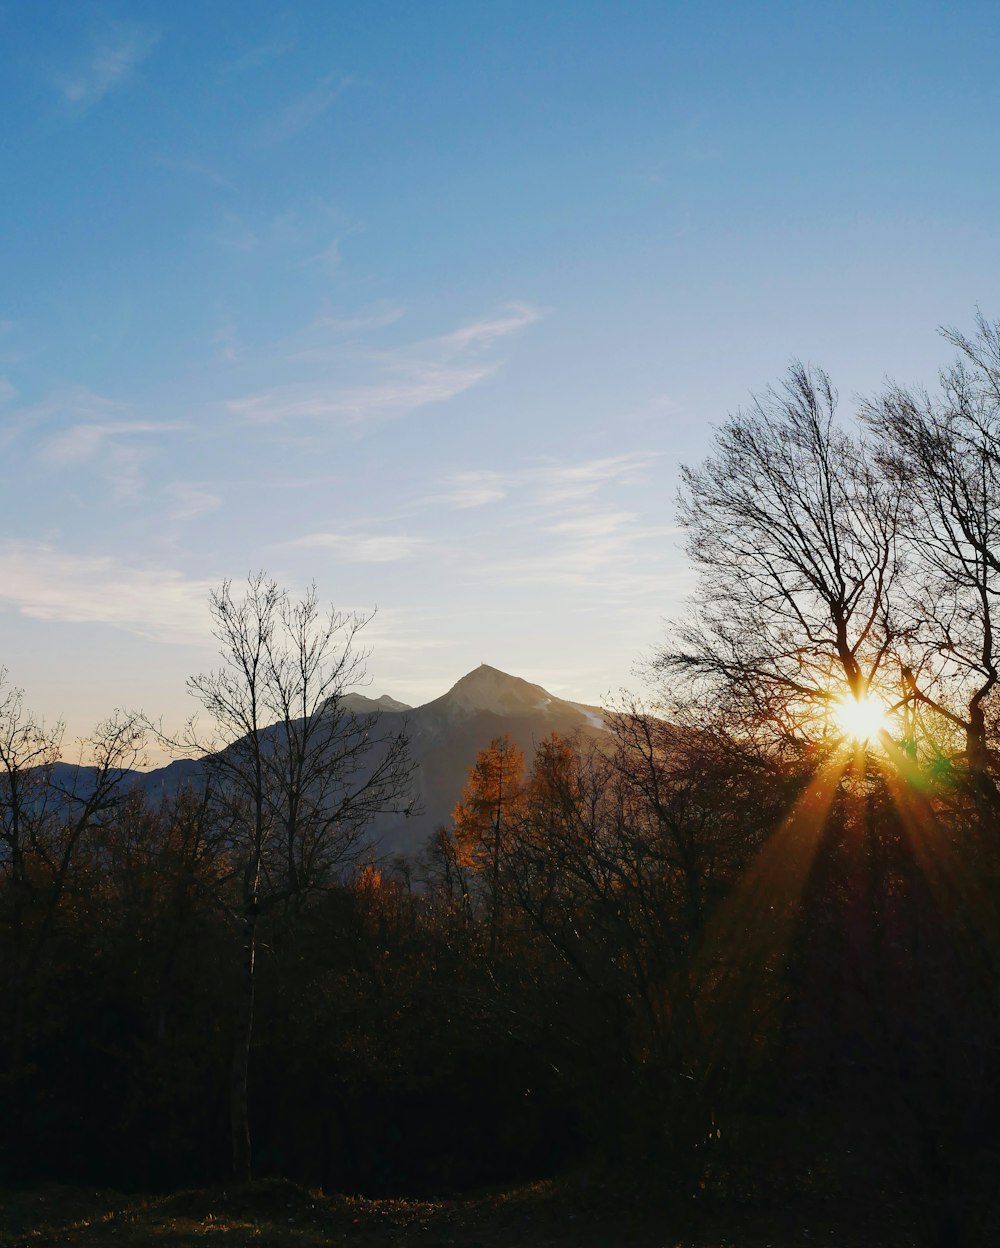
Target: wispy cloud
[(615, 557), (561, 526), (116, 54), (8, 392), (83, 442), (569, 482), (191, 499), (308, 235), (593, 526), (361, 548), (195, 169), (44, 583), (185, 502), (486, 332), (475, 489), (94, 429), (417, 385), (544, 482), (322, 340), (227, 343), (378, 318), (260, 54), (329, 259), (432, 371), (305, 109), (235, 233)]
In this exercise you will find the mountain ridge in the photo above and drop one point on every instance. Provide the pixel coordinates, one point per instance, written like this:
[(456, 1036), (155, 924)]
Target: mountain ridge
[(445, 734)]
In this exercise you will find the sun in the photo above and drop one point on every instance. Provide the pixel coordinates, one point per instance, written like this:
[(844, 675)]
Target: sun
[(861, 718)]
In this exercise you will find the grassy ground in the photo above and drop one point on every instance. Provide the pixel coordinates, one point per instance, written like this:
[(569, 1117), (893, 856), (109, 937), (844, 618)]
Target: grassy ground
[(575, 1213)]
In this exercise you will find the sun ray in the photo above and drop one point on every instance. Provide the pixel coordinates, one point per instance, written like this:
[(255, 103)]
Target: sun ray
[(752, 929), (959, 892)]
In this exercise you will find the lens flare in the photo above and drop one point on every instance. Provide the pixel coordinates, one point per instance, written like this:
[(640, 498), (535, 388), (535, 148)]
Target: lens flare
[(862, 718)]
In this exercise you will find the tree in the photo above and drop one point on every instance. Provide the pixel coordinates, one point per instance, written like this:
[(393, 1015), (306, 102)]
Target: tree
[(49, 812), (793, 531), (298, 774), (491, 803), (625, 847), (833, 560), (941, 454)]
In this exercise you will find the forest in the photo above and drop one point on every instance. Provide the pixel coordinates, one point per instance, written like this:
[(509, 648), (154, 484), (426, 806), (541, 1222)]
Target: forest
[(747, 940)]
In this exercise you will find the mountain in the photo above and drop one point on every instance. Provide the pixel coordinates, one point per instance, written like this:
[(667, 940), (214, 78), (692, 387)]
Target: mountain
[(445, 736), (359, 703)]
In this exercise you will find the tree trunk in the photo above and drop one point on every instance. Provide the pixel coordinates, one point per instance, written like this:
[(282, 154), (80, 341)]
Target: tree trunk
[(243, 1034), (984, 790)]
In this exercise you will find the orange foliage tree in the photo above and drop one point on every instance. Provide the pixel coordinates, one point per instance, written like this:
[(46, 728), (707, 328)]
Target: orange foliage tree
[(492, 805)]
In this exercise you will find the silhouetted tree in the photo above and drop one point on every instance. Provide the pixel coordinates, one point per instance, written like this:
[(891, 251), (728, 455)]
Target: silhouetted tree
[(942, 455), (296, 777), (792, 529), (48, 814)]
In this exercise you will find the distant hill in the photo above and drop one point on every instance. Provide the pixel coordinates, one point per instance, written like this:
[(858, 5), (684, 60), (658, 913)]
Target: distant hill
[(445, 736)]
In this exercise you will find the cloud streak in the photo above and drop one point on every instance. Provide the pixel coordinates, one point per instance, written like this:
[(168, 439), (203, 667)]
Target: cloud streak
[(191, 499), (116, 55), (433, 371), (195, 169), (544, 482), (560, 528), (83, 442), (378, 318), (161, 604), (260, 54), (486, 332), (322, 340), (417, 386), (361, 548), (307, 108), (83, 428)]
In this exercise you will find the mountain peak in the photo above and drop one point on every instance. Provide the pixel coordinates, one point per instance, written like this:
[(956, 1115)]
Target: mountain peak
[(486, 688), (361, 704)]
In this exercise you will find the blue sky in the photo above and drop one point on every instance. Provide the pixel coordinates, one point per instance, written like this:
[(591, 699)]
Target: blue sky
[(427, 302)]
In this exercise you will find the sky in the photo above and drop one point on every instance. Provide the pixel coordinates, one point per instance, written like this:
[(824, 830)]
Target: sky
[(427, 303)]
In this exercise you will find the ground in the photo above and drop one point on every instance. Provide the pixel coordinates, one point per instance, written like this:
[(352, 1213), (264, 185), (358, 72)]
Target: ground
[(581, 1212)]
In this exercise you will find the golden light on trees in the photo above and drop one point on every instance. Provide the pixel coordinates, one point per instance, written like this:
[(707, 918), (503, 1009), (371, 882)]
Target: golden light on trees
[(860, 718)]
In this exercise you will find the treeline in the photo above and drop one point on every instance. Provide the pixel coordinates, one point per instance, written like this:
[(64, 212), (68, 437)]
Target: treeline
[(627, 952)]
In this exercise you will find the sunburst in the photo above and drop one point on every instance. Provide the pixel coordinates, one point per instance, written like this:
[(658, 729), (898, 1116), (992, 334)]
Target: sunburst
[(860, 718)]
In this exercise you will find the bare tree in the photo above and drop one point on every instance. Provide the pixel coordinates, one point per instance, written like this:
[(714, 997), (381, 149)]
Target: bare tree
[(793, 531), (942, 455), (297, 776), (624, 850), (48, 814)]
